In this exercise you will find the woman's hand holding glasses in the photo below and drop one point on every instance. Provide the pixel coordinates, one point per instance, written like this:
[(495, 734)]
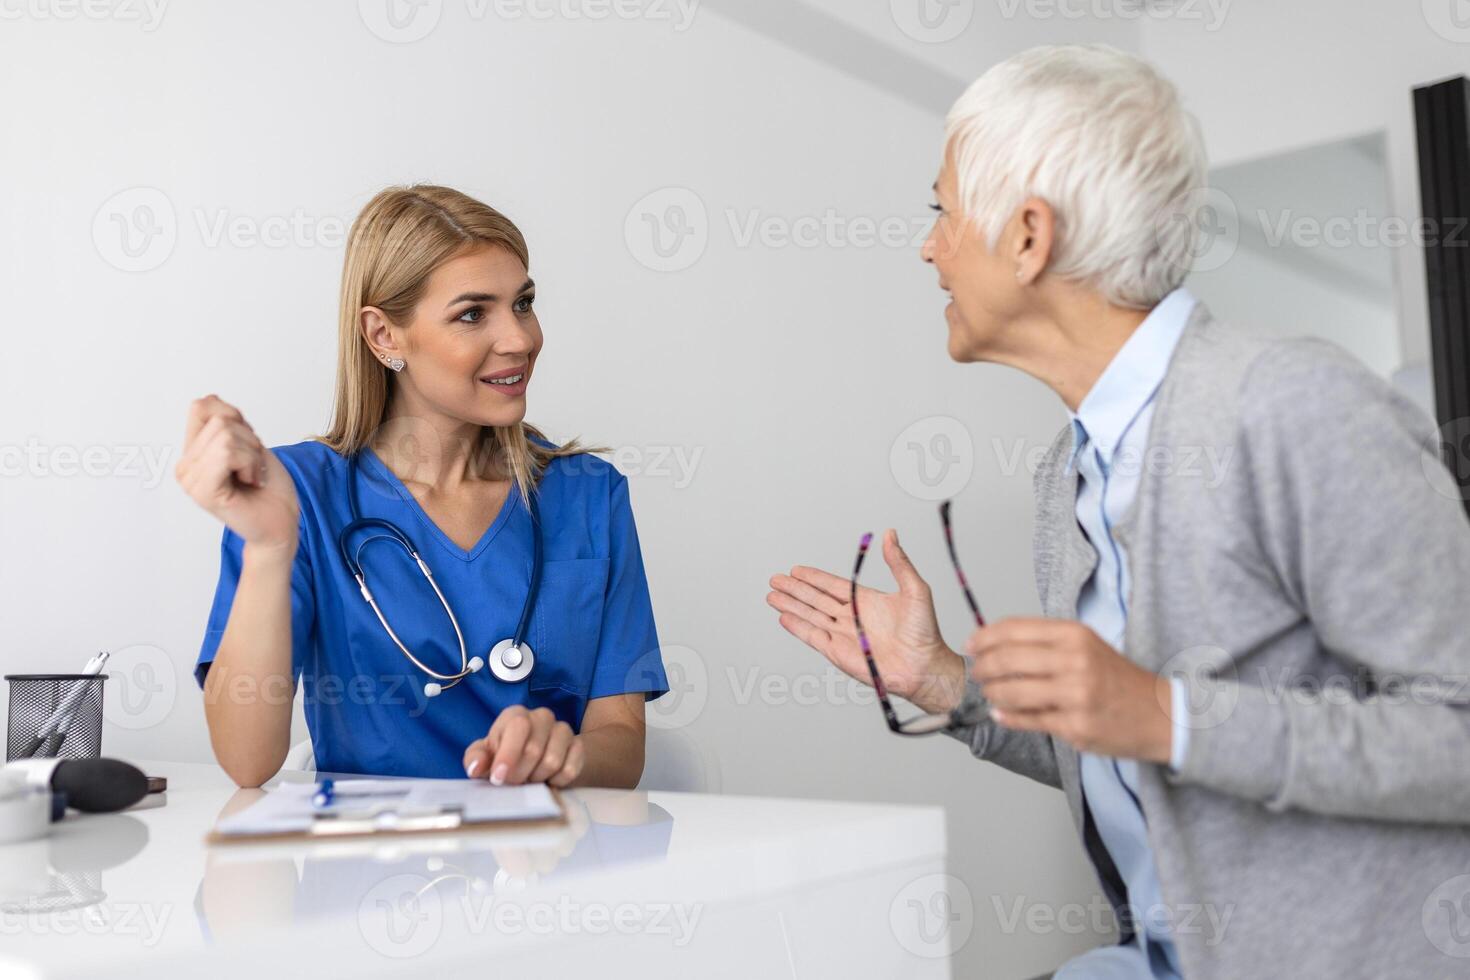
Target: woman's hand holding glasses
[(914, 661)]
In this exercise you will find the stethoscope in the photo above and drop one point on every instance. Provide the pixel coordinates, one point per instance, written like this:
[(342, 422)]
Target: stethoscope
[(511, 660)]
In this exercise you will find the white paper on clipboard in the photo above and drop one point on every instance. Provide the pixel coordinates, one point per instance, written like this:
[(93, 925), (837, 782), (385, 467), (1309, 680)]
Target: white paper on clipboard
[(288, 809)]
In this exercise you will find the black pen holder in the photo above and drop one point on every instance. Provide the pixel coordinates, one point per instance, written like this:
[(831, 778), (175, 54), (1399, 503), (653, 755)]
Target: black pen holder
[(36, 699)]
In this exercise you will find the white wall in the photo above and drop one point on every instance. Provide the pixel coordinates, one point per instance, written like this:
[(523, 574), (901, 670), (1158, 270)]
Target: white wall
[(789, 371), (1276, 76), (1286, 259), (1255, 292)]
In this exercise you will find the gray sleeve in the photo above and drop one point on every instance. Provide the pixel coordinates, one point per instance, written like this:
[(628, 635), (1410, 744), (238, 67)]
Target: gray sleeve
[(1366, 533), (1027, 753)]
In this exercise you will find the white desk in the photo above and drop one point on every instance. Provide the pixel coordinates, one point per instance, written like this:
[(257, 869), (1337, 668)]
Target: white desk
[(637, 884)]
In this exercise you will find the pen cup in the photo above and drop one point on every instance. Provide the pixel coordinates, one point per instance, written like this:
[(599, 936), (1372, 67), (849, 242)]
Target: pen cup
[(70, 703)]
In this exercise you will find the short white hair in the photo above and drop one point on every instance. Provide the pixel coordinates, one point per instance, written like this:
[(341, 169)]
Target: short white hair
[(1102, 138)]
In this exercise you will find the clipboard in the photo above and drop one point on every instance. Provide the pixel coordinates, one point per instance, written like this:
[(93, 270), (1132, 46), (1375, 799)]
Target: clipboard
[(390, 808)]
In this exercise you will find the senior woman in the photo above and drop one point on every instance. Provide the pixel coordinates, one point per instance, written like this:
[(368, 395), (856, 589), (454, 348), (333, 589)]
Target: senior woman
[(1249, 685)]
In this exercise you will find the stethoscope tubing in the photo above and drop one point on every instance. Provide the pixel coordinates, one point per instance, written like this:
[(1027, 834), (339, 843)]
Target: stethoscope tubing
[(353, 561)]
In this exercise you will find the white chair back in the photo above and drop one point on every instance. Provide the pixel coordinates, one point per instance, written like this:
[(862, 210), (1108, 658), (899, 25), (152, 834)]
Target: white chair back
[(302, 756)]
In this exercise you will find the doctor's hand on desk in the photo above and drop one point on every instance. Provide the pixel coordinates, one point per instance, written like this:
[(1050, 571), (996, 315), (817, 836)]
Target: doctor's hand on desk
[(526, 746), (229, 472), (916, 665)]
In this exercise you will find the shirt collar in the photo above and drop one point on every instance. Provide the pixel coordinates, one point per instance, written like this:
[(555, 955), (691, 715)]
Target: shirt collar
[(1129, 381)]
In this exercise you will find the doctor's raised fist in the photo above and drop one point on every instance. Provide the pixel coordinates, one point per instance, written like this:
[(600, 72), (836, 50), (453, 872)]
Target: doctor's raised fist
[(230, 473)]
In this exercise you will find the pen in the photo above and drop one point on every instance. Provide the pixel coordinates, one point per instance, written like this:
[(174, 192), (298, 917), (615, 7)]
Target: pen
[(329, 793), (324, 794), (62, 715)]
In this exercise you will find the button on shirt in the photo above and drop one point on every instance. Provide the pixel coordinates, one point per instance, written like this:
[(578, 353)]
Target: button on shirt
[(1110, 435)]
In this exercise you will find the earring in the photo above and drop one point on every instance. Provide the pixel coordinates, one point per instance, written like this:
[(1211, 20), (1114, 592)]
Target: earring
[(1020, 274), (394, 363)]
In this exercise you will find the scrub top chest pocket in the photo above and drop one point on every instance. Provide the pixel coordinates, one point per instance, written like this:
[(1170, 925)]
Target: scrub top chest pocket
[(568, 621)]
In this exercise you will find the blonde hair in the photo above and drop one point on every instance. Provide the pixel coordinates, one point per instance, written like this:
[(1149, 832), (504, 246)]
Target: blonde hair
[(396, 243)]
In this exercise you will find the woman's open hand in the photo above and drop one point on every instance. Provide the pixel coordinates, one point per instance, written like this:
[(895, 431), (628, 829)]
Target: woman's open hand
[(916, 664), (526, 746)]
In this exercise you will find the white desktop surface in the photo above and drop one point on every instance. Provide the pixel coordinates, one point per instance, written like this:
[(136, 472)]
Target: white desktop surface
[(635, 884)]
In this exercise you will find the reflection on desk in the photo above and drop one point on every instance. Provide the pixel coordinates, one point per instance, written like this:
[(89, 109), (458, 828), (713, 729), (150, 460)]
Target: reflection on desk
[(63, 872), (747, 886), (603, 829)]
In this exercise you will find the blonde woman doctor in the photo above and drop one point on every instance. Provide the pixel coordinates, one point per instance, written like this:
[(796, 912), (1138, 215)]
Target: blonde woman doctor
[(510, 634)]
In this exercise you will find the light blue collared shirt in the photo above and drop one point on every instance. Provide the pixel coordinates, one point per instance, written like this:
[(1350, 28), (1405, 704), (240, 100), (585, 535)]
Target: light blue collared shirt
[(1110, 435)]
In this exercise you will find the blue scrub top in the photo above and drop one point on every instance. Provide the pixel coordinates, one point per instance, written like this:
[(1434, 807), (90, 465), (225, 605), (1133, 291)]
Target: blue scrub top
[(592, 629)]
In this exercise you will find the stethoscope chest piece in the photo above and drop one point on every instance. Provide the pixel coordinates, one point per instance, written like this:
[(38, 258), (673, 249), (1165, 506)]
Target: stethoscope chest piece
[(511, 663)]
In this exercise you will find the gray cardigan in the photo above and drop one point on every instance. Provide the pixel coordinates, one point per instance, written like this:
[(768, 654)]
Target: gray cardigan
[(1297, 556)]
